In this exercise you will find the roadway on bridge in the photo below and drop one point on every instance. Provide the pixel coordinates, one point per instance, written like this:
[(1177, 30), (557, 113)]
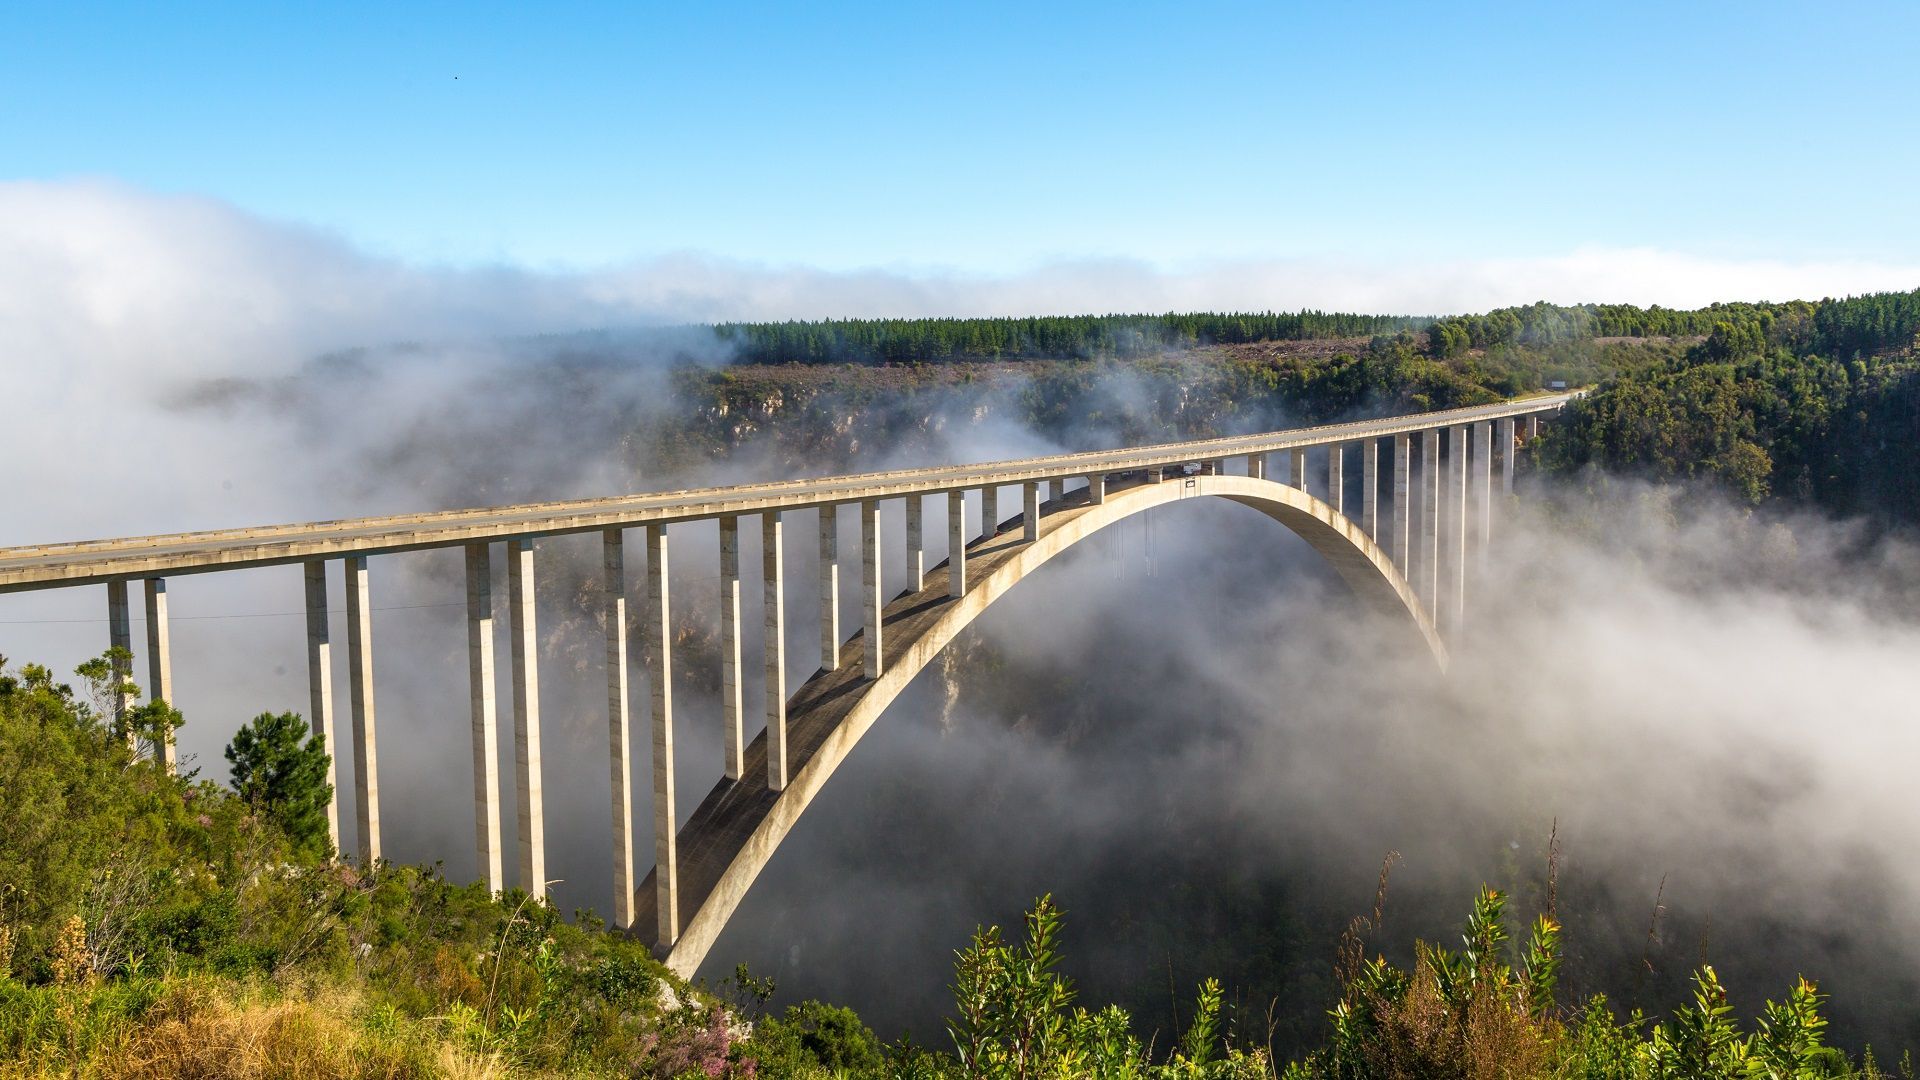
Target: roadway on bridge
[(58, 565)]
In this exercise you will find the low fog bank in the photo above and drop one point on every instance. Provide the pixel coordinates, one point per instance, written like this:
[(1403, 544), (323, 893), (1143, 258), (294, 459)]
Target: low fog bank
[(1184, 729), (1204, 757)]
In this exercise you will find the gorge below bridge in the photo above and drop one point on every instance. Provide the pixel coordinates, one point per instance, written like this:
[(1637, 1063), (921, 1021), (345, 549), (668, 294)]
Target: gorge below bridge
[(1416, 572)]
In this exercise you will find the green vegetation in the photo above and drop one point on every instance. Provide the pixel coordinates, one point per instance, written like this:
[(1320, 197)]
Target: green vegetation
[(939, 341), (280, 772), (1486, 1010), (1815, 403), (901, 341), (1550, 324), (153, 925)]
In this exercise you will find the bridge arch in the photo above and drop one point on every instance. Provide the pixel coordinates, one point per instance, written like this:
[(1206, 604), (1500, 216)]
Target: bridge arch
[(735, 831)]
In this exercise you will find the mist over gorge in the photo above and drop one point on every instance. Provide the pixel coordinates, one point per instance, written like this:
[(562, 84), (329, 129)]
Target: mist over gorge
[(1185, 731)]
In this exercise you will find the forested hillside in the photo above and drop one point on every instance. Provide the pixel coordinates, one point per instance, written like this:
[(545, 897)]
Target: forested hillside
[(1819, 403), (929, 341), (1813, 401), (905, 341)]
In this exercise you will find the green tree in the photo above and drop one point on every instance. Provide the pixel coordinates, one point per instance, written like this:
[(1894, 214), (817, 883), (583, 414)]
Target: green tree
[(284, 778)]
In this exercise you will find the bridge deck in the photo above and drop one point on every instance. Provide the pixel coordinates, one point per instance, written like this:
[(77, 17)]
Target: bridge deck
[(57, 565)]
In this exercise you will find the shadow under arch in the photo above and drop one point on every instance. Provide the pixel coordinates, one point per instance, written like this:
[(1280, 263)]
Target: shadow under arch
[(735, 830)]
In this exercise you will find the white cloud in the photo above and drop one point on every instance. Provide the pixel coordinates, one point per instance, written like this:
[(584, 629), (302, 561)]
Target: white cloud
[(112, 298)]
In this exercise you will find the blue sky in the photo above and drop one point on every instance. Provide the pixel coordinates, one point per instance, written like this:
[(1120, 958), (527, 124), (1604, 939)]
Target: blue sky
[(988, 138)]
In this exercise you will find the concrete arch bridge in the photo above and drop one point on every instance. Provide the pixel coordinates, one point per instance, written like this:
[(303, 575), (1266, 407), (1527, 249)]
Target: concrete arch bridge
[(1401, 537)]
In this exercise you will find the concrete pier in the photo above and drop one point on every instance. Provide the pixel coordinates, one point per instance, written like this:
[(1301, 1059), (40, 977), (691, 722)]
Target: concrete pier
[(956, 544), (1401, 528), (1256, 466), (613, 614), (524, 633), (1533, 428), (829, 588), (120, 636), (1481, 485), (916, 543), (160, 663), (1456, 529), (483, 717), (366, 768), (773, 643), (989, 512), (732, 694), (659, 630), (1337, 477), (1097, 488), (1428, 577), (1298, 471), (1030, 511), (872, 598), (1504, 436), (1370, 488), (320, 685)]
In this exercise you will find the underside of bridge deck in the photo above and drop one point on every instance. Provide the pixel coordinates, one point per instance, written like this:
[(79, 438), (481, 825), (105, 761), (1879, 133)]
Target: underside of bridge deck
[(724, 823), (736, 828)]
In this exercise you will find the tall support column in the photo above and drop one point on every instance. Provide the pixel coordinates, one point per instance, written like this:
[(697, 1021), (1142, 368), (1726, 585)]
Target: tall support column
[(1456, 507), (483, 716), (160, 662), (956, 544), (1370, 488), (872, 600), (320, 686), (1097, 488), (1337, 477), (525, 636), (613, 613), (1298, 459), (1030, 511), (666, 861), (1402, 527), (773, 646), (732, 694), (989, 512), (1533, 427), (1429, 573), (366, 768), (916, 543), (1482, 485), (1504, 436), (120, 636), (1256, 466), (829, 588)]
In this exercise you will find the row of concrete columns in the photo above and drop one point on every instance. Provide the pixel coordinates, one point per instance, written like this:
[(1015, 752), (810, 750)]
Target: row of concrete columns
[(1438, 568), (1458, 480)]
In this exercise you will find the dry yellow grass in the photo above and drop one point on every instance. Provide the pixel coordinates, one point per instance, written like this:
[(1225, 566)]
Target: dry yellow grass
[(203, 1030)]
